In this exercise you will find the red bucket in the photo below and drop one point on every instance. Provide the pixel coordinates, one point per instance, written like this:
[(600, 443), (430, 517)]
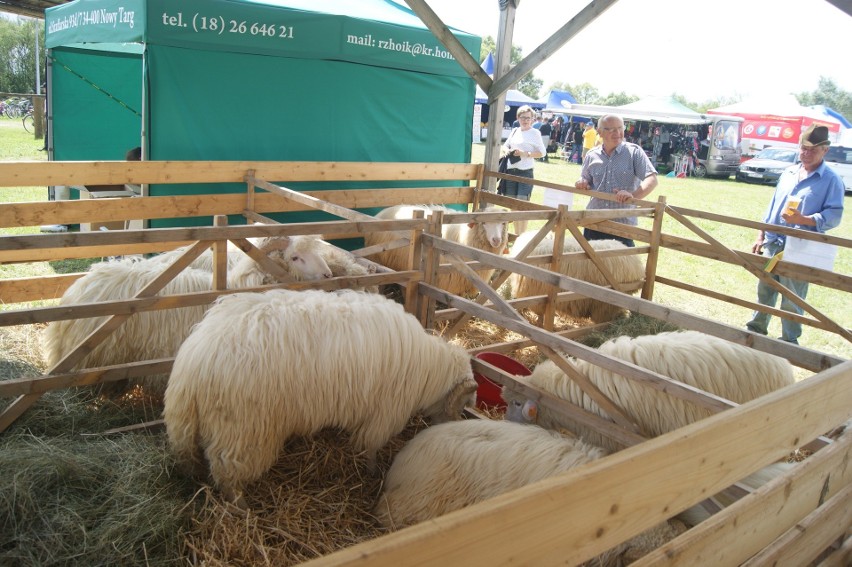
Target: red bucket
[(488, 392)]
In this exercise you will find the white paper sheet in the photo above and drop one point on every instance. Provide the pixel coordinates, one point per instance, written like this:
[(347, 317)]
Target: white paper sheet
[(554, 198), (810, 253)]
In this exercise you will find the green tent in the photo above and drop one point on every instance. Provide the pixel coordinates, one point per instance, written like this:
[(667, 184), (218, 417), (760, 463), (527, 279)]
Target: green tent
[(293, 80)]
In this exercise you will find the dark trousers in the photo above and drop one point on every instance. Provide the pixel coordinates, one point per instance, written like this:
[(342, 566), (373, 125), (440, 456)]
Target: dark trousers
[(590, 234)]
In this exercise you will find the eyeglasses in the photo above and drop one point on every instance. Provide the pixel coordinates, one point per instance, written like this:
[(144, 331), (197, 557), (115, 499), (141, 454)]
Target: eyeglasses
[(614, 129), (810, 150), (525, 118)]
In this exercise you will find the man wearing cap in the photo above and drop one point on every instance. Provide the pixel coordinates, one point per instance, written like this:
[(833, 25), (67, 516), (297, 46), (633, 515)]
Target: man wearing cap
[(819, 191), (590, 135)]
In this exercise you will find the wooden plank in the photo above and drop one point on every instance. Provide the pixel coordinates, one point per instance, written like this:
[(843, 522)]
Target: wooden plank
[(841, 557), (763, 277), (309, 200), (572, 517), (804, 542), (825, 278), (207, 205), (23, 174), (41, 385), (545, 399), (498, 278), (654, 253), (748, 304), (801, 356), (35, 288), (786, 500)]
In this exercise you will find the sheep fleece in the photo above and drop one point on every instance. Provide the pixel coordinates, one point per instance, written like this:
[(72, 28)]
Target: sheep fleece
[(453, 465), (625, 269), (717, 366), (261, 367), (449, 466)]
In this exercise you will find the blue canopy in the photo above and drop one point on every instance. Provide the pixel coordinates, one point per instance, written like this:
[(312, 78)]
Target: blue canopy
[(513, 98), (833, 113)]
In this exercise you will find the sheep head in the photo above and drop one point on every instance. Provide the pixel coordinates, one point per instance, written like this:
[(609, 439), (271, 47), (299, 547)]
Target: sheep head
[(519, 408)]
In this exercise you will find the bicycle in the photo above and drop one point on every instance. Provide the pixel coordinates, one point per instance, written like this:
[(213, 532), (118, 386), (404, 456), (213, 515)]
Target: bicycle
[(29, 122)]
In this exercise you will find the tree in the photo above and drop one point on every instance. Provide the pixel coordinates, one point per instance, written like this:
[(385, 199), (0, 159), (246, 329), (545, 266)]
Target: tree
[(617, 99), (17, 42), (830, 95), (586, 94), (529, 84)]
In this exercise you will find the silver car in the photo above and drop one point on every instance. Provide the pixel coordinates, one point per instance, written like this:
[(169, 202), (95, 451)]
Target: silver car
[(767, 166)]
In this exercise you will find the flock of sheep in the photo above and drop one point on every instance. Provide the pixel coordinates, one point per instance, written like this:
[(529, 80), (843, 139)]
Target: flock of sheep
[(254, 369)]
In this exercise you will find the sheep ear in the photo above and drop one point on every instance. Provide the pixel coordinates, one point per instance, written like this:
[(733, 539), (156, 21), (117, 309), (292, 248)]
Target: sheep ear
[(459, 396), (471, 224), (530, 411)]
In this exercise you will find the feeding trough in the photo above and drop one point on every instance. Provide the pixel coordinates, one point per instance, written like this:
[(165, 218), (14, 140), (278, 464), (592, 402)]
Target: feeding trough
[(488, 392)]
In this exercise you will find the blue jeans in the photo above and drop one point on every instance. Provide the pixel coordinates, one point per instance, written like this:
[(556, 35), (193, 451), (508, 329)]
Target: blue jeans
[(518, 190), (767, 295), (578, 149), (590, 234)]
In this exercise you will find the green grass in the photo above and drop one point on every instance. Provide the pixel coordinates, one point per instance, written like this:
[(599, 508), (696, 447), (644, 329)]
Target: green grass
[(733, 199)]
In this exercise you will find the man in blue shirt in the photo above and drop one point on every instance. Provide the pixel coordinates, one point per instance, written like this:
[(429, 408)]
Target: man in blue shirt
[(819, 192)]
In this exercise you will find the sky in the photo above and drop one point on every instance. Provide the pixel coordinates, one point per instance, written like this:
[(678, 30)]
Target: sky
[(703, 50)]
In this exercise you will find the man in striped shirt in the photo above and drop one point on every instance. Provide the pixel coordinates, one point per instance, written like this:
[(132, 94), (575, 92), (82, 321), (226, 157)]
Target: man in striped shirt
[(618, 168)]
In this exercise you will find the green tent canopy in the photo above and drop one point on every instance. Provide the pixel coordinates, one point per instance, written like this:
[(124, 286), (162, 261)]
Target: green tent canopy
[(291, 80)]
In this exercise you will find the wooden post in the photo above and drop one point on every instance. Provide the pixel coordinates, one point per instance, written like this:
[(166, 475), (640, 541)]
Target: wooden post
[(654, 253), (220, 257)]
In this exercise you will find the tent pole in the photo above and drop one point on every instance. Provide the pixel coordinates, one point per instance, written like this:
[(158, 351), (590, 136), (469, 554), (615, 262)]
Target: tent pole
[(497, 104)]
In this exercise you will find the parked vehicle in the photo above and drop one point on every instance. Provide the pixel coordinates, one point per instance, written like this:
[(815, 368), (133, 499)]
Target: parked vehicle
[(839, 159), (767, 165), (719, 155)]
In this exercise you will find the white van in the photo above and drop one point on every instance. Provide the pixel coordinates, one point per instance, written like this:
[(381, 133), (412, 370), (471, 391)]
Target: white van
[(839, 158)]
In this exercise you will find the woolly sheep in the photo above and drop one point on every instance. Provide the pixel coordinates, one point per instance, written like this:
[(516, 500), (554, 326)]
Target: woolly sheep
[(714, 365), (623, 268), (488, 236), (261, 367), (453, 465), (339, 262), (155, 334)]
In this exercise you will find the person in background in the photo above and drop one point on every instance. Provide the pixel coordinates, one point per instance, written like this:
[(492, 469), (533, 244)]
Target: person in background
[(619, 168), (819, 192), (546, 131), (590, 136), (523, 146), (577, 143)]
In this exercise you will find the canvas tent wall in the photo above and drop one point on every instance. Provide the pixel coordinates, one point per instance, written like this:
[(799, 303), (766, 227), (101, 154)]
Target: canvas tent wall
[(325, 80)]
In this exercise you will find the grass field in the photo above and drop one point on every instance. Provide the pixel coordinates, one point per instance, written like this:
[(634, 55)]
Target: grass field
[(726, 197)]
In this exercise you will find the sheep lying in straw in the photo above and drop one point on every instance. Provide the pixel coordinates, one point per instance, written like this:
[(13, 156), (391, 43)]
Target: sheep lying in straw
[(450, 466), (261, 367), (625, 269), (714, 365), (158, 334), (488, 236), (717, 366), (340, 262)]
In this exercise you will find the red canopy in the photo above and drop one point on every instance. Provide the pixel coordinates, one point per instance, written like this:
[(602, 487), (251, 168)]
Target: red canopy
[(777, 122)]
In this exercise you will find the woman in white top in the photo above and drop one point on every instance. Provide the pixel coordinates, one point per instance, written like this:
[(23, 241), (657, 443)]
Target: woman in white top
[(524, 145)]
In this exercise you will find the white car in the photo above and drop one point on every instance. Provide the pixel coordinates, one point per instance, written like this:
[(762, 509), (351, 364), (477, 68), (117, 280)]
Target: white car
[(839, 159)]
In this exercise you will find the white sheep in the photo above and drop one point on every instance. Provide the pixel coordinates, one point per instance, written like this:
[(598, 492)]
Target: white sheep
[(157, 334), (488, 236), (453, 465), (261, 367), (625, 269), (339, 262), (714, 365)]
